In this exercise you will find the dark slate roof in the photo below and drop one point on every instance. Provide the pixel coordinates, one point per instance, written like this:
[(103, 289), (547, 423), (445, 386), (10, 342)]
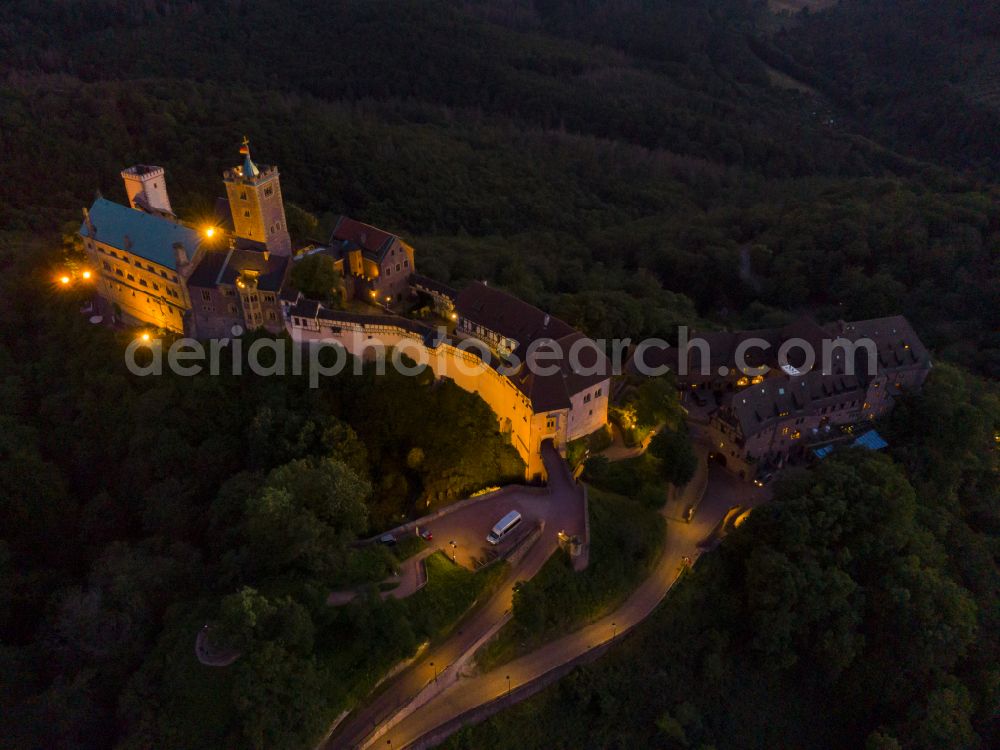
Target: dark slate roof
[(509, 316), (146, 235), (223, 266), (207, 271), (433, 285), (782, 397), (516, 319), (722, 346), (553, 391), (895, 340)]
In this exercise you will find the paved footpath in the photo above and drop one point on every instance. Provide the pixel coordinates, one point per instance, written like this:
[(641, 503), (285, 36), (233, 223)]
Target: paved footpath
[(561, 509), (721, 491)]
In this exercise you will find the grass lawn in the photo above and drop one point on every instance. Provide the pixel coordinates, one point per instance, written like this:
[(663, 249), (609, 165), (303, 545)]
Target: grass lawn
[(450, 591), (626, 537)]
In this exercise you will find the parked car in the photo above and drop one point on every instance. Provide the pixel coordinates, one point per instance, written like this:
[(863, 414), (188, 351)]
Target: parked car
[(426, 534), (387, 539)]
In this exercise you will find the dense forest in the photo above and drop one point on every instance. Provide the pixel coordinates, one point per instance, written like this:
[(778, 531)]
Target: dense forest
[(629, 165)]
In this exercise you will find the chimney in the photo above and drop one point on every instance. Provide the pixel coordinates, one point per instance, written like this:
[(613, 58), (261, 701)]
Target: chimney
[(180, 252)]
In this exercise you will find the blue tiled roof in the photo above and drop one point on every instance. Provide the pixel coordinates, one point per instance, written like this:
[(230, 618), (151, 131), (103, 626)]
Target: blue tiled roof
[(152, 237), (871, 440)]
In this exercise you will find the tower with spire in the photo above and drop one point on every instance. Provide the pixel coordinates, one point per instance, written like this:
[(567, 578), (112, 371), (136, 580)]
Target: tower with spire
[(254, 193)]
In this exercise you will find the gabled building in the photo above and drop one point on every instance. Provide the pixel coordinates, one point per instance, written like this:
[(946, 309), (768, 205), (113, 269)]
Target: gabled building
[(376, 265), (155, 269), (768, 422), (142, 262), (568, 395)]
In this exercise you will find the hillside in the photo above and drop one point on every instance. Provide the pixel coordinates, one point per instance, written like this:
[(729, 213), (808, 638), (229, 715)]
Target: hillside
[(631, 166)]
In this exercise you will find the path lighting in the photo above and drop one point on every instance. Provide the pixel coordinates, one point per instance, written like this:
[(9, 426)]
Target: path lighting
[(64, 280), (86, 274)]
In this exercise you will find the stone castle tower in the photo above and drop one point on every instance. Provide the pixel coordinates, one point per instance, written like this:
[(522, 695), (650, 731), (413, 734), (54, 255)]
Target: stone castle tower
[(147, 189), (254, 193)]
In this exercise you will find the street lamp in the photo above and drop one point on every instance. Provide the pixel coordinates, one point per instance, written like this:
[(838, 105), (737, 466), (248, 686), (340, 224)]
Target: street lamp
[(64, 280), (614, 630), (209, 231), (86, 274), (508, 684), (435, 672)]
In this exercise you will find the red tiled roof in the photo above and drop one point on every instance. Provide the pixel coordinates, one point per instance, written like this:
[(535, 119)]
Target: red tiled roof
[(366, 236)]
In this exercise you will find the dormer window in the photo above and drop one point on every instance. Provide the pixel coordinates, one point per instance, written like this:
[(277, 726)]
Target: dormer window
[(243, 195)]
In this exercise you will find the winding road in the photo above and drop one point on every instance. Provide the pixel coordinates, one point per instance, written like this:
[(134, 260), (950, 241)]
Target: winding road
[(561, 508), (417, 709)]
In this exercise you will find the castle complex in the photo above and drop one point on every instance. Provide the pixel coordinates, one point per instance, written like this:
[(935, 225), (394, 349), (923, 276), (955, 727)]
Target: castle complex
[(232, 276)]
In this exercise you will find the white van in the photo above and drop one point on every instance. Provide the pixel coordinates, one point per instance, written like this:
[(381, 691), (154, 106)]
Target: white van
[(503, 527)]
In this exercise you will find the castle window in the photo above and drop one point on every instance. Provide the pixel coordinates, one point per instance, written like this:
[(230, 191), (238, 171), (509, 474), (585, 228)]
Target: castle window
[(271, 315), (246, 214), (268, 191), (597, 393), (269, 298), (206, 295), (243, 195), (130, 277), (232, 309), (586, 399), (397, 266), (119, 272), (142, 282), (406, 263), (107, 266)]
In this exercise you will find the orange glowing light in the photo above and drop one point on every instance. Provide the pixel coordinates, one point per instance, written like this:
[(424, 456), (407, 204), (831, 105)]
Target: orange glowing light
[(64, 280), (145, 337), (210, 231), (86, 274)]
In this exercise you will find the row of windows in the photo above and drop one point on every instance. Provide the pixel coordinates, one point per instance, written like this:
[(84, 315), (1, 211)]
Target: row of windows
[(388, 269), (124, 258), (206, 295), (142, 282), (597, 394)]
